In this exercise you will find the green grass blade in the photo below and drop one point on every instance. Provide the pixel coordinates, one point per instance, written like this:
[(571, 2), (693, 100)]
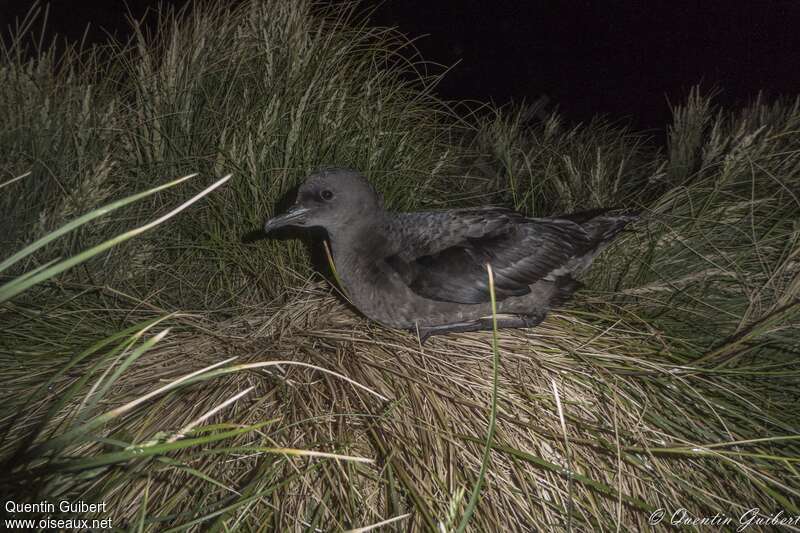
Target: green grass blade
[(82, 431), (487, 450), (140, 452), (13, 288), (12, 180), (80, 221)]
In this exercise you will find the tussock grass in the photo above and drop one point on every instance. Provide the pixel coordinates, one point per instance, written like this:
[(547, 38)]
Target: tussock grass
[(530, 159), (266, 91), (722, 243), (193, 380)]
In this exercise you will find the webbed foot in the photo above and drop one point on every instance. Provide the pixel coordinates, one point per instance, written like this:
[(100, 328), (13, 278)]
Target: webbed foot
[(482, 324), (458, 327)]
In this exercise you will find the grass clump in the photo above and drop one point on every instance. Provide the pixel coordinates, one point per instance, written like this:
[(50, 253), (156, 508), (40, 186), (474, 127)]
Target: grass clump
[(265, 90), (193, 380), (532, 160), (722, 244)]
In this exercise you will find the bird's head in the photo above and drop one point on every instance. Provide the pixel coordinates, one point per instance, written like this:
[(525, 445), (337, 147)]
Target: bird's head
[(331, 198)]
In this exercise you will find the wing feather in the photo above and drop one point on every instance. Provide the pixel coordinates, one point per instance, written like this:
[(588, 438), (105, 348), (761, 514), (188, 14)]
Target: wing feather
[(444, 255)]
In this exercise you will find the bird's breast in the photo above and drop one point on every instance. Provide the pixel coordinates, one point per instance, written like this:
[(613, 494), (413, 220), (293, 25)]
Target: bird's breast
[(376, 290)]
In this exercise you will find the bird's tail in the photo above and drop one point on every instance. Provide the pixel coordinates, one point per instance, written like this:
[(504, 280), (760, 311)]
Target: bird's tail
[(603, 228)]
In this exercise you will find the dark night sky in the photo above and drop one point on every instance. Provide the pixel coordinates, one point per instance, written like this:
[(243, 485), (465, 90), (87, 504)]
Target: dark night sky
[(619, 58)]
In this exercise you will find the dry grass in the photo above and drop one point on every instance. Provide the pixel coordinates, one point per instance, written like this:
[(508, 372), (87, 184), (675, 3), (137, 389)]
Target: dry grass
[(639, 432)]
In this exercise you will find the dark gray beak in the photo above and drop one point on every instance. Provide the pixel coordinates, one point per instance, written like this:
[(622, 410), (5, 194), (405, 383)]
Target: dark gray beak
[(293, 217)]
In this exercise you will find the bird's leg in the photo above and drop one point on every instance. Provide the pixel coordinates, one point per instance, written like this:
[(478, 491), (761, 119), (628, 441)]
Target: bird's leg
[(514, 321), (458, 327), (483, 324)]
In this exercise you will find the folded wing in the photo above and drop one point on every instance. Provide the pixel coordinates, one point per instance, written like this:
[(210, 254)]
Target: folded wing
[(445, 253)]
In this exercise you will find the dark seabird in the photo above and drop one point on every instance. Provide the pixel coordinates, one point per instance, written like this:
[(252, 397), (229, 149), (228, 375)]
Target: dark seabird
[(426, 271)]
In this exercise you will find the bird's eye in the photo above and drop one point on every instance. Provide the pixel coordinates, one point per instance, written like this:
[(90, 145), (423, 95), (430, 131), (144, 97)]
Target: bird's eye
[(326, 195)]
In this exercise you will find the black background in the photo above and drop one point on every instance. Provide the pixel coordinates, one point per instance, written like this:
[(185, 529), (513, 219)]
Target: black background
[(621, 59)]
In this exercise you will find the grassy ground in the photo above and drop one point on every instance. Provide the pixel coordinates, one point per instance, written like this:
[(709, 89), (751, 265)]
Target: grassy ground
[(192, 376)]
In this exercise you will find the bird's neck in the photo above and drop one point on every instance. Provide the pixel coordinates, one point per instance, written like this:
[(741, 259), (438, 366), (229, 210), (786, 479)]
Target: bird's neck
[(366, 238), (358, 251)]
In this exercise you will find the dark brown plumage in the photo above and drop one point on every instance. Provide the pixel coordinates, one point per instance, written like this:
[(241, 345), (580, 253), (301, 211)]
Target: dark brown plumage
[(427, 270)]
